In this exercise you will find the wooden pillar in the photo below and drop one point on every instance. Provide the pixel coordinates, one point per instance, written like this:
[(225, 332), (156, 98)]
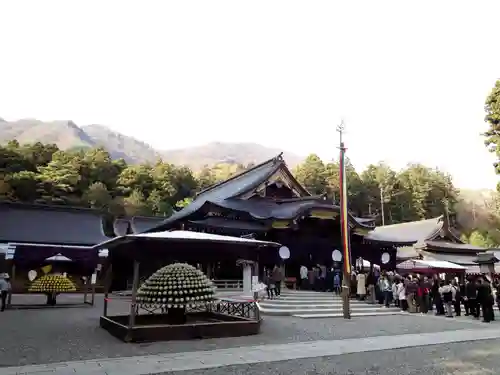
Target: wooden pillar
[(12, 281), (85, 289), (135, 286), (209, 271), (107, 285)]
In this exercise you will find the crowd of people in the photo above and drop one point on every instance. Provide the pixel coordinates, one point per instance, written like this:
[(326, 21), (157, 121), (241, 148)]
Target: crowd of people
[(421, 294), (449, 296)]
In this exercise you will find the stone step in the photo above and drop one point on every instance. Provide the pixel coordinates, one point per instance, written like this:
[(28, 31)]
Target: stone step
[(329, 310), (308, 301), (305, 293), (319, 296), (341, 315), (315, 306), (297, 298)]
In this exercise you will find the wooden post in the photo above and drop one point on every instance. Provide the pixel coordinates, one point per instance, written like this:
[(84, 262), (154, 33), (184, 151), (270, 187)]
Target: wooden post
[(85, 288), (209, 271), (344, 229), (107, 285), (92, 296), (12, 281), (256, 305), (135, 286)]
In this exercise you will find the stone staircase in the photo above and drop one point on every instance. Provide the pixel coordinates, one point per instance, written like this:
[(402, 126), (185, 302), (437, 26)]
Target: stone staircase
[(306, 304)]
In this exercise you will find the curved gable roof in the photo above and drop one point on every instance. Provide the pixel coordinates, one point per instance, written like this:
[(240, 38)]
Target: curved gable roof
[(407, 233)]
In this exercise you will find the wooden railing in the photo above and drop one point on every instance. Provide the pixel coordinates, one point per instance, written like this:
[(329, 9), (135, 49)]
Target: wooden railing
[(228, 284), (244, 309)]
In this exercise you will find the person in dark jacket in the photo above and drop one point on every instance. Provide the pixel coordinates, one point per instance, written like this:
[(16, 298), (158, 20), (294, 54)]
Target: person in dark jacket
[(457, 302), (423, 293), (485, 300), (277, 277), (438, 299), (470, 298)]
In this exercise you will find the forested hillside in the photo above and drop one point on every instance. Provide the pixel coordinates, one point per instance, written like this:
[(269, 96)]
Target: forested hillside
[(69, 136), (41, 173)]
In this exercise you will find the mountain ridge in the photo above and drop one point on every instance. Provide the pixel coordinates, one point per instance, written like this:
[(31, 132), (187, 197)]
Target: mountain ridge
[(67, 135)]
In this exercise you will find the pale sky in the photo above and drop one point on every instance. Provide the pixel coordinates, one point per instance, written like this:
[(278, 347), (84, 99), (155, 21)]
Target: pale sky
[(409, 78)]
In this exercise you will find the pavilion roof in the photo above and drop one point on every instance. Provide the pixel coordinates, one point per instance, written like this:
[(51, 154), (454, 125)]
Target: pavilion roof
[(28, 223)]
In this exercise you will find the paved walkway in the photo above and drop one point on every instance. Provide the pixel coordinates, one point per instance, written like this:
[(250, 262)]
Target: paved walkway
[(156, 364)]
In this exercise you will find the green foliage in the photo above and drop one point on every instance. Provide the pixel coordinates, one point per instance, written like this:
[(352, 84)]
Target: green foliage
[(415, 193), (90, 178), (481, 239), (492, 109), (312, 174)]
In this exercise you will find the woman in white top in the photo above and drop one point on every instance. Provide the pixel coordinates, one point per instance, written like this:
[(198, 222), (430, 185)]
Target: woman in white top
[(401, 291), (395, 294)]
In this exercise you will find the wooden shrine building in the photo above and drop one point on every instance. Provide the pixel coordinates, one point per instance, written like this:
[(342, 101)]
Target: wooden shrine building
[(432, 239), (268, 203), (31, 233)]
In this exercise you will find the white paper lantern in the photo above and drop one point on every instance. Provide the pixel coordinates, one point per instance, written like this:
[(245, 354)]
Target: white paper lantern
[(336, 255), (284, 252)]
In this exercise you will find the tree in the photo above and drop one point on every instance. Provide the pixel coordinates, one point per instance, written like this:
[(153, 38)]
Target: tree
[(312, 174), (492, 109), (379, 181), (60, 179), (24, 186), (97, 166), (158, 205), (332, 178), (206, 178), (481, 239), (135, 204), (136, 177), (98, 196), (183, 203)]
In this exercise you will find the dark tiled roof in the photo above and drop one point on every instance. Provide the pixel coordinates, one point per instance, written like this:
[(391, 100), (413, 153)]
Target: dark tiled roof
[(238, 184), (50, 225), (461, 259), (407, 233), (453, 247), (242, 182), (486, 257), (142, 223)]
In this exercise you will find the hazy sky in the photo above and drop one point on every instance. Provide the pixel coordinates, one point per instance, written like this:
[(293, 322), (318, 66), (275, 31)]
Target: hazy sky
[(409, 78)]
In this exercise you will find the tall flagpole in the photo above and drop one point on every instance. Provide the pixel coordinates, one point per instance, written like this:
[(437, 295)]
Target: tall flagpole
[(344, 227)]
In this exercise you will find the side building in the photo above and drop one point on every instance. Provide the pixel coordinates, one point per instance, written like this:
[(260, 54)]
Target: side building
[(32, 233), (432, 239)]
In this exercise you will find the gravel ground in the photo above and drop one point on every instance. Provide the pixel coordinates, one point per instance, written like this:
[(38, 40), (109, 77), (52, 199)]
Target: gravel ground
[(479, 358), (67, 334)]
